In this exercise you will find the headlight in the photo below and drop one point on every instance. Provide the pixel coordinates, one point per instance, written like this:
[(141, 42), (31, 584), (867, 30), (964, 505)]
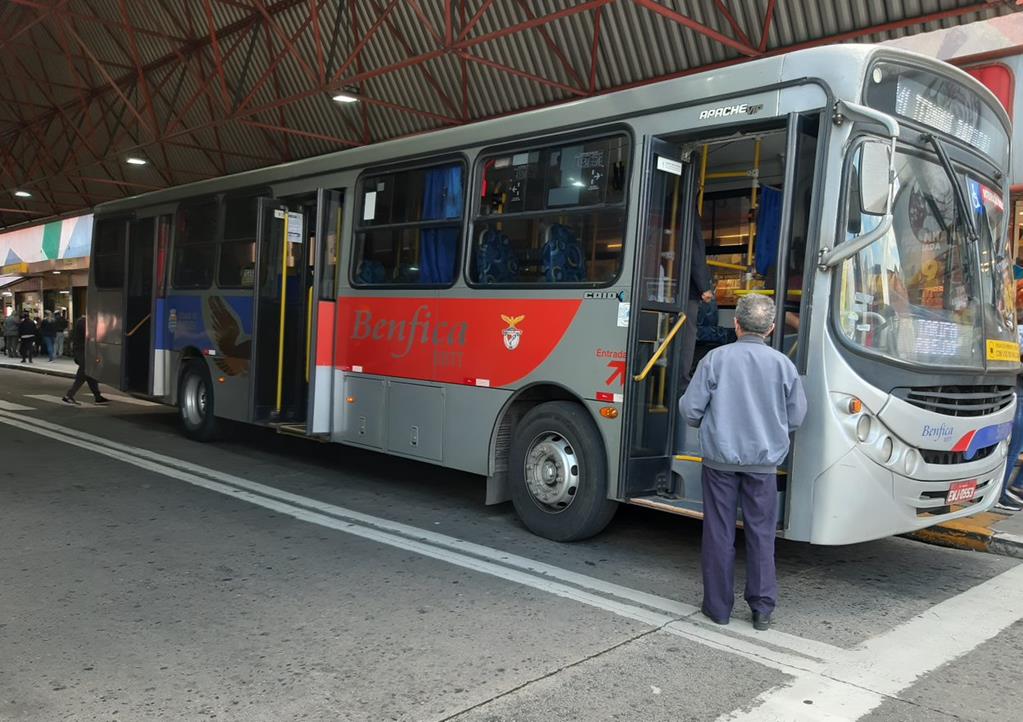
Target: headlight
[(863, 428), (887, 449), (910, 462)]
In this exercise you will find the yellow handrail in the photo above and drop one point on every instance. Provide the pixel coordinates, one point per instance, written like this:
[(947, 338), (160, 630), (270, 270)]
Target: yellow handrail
[(764, 291), (308, 332), (284, 299), (731, 266), (641, 376), (139, 325)]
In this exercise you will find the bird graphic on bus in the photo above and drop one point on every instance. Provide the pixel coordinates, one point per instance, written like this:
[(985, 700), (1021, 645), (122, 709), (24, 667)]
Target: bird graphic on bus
[(234, 349), (511, 334)]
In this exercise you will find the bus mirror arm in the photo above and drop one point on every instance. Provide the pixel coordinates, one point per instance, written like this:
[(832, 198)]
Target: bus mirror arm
[(830, 259), (862, 113)]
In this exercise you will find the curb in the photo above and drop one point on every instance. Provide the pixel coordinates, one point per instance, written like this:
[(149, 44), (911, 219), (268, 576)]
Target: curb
[(33, 369), (973, 534)]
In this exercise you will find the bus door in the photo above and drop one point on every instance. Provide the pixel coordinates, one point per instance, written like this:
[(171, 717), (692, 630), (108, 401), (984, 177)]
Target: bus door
[(284, 303), (138, 306), (320, 366), (660, 293)]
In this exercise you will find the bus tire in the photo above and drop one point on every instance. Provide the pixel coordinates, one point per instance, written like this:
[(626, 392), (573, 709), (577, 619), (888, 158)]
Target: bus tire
[(195, 402), (558, 473)]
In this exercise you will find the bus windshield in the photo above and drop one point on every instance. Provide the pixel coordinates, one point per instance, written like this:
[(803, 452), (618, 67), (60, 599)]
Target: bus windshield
[(923, 293)]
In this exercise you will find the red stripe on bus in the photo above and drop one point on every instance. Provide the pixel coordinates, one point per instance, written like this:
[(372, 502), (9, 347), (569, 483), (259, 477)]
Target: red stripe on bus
[(325, 333), (501, 340)]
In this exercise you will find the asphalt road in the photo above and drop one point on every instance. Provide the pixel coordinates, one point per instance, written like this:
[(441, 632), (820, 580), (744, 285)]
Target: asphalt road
[(261, 577)]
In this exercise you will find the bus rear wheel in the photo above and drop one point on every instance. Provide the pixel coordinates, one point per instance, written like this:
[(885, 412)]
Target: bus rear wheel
[(195, 402), (558, 473)]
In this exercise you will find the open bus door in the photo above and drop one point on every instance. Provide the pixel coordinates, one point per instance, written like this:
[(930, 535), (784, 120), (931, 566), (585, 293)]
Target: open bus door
[(285, 311), (119, 345), (660, 293)]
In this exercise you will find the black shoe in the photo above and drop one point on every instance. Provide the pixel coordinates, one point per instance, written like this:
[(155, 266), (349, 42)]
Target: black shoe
[(708, 615), (69, 400), (761, 621), (101, 400), (1007, 504)]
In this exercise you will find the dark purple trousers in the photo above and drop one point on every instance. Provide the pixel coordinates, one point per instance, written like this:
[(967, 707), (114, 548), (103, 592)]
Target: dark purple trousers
[(722, 491)]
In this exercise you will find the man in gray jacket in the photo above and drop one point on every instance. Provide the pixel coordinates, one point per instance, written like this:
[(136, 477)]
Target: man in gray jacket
[(747, 399)]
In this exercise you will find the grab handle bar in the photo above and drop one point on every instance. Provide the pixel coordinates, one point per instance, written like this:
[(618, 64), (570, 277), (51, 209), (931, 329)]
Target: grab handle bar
[(641, 376)]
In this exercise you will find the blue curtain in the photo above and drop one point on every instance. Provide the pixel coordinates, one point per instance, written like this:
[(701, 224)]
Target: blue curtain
[(438, 247), (768, 228)]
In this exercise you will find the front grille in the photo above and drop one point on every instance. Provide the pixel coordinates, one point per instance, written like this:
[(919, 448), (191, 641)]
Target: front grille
[(955, 457), (958, 400)]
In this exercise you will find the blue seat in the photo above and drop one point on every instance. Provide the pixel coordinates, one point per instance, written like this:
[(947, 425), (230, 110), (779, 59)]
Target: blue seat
[(496, 261), (562, 258), (371, 272)]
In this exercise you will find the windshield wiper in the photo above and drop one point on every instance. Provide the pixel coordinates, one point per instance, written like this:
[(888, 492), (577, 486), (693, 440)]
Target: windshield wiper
[(964, 212), (972, 235)]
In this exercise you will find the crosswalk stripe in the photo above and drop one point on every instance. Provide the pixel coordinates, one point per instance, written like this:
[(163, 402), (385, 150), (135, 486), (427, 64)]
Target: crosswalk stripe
[(57, 400), (130, 400), (11, 406)]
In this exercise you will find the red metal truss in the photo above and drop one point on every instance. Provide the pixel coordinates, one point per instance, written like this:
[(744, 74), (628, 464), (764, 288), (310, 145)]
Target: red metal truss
[(83, 83)]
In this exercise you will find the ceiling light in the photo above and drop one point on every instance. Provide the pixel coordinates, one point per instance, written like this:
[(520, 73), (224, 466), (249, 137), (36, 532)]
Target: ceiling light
[(56, 273), (346, 97), (22, 194), (135, 161)]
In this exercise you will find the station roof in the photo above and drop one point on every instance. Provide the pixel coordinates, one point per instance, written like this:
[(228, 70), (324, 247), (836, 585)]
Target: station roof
[(204, 88)]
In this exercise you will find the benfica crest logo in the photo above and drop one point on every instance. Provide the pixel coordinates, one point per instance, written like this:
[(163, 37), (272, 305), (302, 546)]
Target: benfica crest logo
[(511, 334)]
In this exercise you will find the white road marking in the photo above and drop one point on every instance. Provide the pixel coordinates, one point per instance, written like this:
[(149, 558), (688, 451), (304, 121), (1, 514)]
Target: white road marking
[(829, 684), (130, 400), (11, 406), (50, 398), (777, 649)]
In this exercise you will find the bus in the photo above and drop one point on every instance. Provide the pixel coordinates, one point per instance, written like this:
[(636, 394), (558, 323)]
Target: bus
[(511, 297)]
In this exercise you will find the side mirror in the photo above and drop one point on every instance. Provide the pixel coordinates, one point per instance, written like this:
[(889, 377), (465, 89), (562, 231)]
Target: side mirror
[(875, 178)]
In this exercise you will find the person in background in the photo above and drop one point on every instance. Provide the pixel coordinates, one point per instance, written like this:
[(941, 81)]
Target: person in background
[(748, 381), (78, 350), (27, 333), (1011, 498), (60, 322), (48, 330), (701, 288), (11, 334)]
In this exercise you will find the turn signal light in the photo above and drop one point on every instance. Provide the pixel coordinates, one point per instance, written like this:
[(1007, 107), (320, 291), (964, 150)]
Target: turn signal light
[(350, 399), (855, 405), (609, 412), (221, 379)]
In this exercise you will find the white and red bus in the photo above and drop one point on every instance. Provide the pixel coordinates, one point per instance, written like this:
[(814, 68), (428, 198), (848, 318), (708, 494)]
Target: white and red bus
[(506, 297)]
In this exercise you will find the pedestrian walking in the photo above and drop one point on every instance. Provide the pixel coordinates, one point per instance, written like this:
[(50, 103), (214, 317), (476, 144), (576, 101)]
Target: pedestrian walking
[(78, 351), (11, 334), (27, 333), (48, 330), (746, 398), (61, 324)]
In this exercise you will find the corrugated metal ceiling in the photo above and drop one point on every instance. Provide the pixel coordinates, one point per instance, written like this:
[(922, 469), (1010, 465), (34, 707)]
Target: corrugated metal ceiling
[(201, 88)]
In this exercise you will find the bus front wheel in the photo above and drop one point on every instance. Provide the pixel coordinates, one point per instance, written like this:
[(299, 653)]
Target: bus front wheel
[(195, 402), (558, 473)]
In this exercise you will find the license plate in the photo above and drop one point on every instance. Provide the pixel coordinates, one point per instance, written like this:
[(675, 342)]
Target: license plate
[(961, 491)]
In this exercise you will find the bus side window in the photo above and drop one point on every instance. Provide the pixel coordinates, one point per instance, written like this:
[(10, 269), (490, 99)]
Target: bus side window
[(409, 227), (195, 245), (552, 215), (237, 264)]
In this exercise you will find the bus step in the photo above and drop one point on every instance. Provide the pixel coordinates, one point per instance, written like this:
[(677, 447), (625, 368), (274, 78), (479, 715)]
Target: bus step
[(299, 430), (683, 507)]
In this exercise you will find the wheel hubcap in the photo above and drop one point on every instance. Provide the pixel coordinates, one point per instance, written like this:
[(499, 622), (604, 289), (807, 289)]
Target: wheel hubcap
[(194, 400), (552, 472)]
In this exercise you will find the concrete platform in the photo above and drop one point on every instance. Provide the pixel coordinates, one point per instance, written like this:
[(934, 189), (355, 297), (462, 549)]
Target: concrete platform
[(62, 366), (994, 531)]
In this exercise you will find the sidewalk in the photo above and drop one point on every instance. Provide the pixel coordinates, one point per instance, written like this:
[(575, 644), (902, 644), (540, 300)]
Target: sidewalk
[(58, 367), (993, 531)]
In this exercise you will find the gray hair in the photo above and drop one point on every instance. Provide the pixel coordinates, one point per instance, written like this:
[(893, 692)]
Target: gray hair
[(755, 313)]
